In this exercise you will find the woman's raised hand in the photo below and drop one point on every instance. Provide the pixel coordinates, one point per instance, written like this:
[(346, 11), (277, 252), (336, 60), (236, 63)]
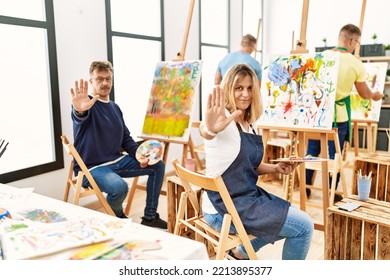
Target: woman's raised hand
[(80, 100), (215, 117)]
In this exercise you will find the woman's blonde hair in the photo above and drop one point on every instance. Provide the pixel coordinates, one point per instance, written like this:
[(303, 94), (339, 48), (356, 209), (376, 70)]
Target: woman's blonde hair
[(235, 73)]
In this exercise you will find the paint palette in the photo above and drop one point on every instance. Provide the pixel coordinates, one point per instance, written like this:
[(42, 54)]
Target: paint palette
[(299, 159), (151, 149)]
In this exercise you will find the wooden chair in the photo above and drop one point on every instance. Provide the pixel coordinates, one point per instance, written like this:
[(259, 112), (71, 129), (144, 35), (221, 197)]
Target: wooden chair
[(335, 165), (76, 183), (222, 241), (80, 191), (196, 150)]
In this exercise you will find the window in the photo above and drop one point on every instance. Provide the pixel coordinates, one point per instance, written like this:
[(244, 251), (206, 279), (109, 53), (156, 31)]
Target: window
[(29, 106), (135, 45), (252, 12), (214, 42)]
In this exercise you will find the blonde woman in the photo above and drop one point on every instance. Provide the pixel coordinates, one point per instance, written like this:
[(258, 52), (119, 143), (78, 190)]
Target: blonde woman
[(235, 151)]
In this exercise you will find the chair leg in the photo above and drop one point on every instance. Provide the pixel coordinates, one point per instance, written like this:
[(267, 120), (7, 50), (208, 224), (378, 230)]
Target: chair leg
[(68, 182), (335, 170), (77, 191), (67, 190), (180, 212), (227, 219)]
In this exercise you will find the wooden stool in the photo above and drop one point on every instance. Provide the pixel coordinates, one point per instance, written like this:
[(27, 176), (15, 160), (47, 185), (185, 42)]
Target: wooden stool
[(174, 190)]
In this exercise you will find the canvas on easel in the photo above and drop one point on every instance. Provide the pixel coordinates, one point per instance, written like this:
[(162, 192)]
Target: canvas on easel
[(368, 109), (170, 105), (298, 90)]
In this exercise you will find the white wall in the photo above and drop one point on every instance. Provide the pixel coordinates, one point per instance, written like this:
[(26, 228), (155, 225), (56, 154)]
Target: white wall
[(80, 27), (326, 17), (81, 38)]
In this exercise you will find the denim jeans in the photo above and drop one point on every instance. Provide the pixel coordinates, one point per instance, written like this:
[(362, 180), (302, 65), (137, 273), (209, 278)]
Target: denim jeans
[(297, 232), (110, 180)]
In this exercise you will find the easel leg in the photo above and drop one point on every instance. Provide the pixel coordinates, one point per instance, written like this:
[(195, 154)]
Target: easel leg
[(325, 178), (290, 181), (166, 150), (356, 138), (302, 171)]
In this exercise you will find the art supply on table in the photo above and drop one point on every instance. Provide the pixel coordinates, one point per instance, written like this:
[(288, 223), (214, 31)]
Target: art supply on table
[(3, 146), (4, 214), (349, 206), (364, 185)]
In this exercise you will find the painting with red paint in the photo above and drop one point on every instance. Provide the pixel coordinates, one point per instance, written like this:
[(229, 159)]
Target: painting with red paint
[(175, 86), (367, 109), (298, 90)]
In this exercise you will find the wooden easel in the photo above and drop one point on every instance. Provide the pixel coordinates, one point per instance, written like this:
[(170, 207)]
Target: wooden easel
[(357, 49), (301, 43), (356, 122), (257, 36), (298, 148), (188, 145), (299, 141), (369, 124)]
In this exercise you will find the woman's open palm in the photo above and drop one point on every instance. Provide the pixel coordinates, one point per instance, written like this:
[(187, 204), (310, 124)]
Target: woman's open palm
[(216, 119)]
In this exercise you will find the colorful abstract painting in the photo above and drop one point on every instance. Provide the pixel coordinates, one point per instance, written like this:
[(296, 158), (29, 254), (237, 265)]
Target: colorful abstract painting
[(26, 239), (43, 216), (132, 250), (298, 90), (170, 105), (367, 109)]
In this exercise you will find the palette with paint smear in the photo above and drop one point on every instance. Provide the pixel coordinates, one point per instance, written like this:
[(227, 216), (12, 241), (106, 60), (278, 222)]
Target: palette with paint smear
[(151, 149)]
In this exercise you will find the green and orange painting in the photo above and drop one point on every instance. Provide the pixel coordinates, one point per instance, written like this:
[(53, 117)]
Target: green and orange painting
[(171, 99)]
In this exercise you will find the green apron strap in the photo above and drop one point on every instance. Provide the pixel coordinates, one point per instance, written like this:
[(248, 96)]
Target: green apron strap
[(347, 103)]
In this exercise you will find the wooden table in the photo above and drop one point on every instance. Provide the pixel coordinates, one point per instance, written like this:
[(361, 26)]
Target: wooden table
[(172, 247), (362, 234)]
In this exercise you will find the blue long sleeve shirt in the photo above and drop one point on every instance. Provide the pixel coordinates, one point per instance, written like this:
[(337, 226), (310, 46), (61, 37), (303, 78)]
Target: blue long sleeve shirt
[(101, 134)]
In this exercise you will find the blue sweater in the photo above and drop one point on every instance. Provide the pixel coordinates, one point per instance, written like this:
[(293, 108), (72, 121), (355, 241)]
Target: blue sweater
[(101, 134)]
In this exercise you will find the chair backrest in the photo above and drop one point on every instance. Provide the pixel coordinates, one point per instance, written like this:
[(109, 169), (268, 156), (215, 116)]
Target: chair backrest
[(71, 150), (216, 184)]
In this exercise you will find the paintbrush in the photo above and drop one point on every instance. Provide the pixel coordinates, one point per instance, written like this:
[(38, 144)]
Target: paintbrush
[(373, 81)]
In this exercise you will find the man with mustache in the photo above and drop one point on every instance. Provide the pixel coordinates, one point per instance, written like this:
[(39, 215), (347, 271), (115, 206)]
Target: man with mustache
[(101, 136)]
